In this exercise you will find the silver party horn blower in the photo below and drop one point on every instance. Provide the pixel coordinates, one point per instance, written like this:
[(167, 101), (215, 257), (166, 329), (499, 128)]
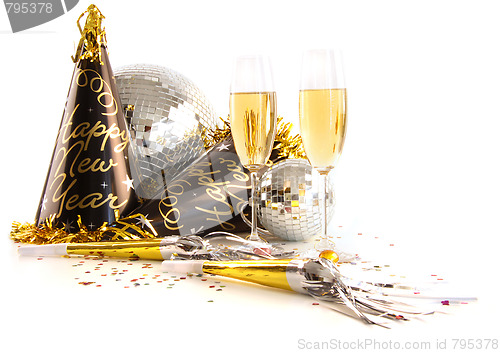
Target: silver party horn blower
[(318, 277)]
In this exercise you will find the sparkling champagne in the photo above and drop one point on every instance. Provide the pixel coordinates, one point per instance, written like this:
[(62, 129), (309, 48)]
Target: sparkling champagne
[(253, 126), (323, 118)]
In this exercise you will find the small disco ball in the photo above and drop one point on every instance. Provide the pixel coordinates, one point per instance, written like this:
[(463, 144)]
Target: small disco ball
[(290, 202), (165, 113)]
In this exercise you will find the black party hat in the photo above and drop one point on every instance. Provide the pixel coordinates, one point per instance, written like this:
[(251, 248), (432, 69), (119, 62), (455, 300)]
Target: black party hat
[(88, 183), (210, 195)]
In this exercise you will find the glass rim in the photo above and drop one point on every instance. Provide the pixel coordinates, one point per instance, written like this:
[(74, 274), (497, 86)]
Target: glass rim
[(252, 73), (322, 68)]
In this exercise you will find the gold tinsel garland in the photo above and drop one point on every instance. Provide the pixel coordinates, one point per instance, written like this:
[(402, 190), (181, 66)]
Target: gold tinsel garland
[(47, 233), (286, 145)]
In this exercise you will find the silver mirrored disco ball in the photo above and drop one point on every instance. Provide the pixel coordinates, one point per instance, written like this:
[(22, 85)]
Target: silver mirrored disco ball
[(290, 202), (168, 114)]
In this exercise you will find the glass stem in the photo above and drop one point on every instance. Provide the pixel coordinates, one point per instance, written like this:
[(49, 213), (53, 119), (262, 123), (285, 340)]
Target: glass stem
[(253, 233), (323, 177)]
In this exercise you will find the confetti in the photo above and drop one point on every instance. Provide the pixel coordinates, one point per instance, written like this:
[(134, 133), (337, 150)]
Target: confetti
[(85, 272)]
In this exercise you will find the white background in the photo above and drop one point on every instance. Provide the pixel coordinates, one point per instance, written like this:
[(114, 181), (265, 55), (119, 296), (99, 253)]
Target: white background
[(420, 163)]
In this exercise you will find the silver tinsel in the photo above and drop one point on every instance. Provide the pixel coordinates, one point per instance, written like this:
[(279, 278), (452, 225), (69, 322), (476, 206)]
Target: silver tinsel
[(166, 113), (290, 202)]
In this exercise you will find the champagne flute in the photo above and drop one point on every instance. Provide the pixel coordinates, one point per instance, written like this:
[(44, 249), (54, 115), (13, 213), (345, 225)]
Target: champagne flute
[(252, 106), (323, 117)]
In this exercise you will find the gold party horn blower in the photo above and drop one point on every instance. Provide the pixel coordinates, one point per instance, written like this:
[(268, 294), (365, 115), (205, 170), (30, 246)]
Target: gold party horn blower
[(218, 246), (318, 277), (147, 249)]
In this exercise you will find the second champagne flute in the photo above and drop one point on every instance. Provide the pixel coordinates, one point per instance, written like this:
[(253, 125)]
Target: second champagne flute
[(323, 117), (252, 106)]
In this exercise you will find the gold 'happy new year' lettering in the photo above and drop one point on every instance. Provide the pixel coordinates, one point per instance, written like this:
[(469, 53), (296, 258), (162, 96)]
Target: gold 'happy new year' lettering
[(75, 140), (172, 214), (218, 191)]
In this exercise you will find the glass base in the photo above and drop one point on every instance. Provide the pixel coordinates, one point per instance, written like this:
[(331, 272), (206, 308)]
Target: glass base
[(255, 237)]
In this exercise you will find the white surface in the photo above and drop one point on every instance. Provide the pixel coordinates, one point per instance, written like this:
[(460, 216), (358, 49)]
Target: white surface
[(44, 250), (419, 168), (183, 267)]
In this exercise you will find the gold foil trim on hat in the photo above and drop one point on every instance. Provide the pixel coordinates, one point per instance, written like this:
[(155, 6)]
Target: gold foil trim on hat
[(49, 233)]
